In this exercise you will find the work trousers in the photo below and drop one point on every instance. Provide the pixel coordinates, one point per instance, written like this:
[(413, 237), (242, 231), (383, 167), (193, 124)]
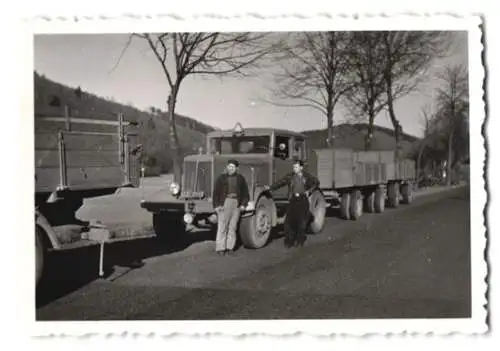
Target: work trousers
[(227, 225), (296, 220)]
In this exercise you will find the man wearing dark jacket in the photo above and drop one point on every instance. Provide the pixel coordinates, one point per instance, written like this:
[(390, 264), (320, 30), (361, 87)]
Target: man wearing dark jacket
[(299, 183), (230, 197)]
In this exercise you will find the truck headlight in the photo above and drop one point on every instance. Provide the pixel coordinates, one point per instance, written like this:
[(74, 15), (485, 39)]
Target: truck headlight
[(175, 188), (188, 218)]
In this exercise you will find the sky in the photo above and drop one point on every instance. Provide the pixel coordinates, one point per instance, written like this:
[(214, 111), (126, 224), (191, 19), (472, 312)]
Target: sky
[(92, 61)]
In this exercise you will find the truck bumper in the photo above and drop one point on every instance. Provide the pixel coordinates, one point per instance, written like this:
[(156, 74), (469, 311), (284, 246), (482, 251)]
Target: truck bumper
[(193, 212)]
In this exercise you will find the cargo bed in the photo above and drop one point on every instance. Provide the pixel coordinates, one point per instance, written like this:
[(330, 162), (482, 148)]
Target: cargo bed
[(342, 168)]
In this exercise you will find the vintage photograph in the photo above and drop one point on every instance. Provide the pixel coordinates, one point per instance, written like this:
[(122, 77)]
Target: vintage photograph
[(277, 175)]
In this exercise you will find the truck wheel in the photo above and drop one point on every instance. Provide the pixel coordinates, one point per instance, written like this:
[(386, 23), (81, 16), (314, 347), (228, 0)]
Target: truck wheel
[(356, 206), (407, 192), (39, 254), (393, 194), (369, 202), (169, 228), (318, 212), (345, 204), (379, 200), (255, 230)]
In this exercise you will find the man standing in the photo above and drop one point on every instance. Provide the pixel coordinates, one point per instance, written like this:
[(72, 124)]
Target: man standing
[(299, 183), (230, 197)]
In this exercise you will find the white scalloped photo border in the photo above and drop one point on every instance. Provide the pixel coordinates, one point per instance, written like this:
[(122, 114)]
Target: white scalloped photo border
[(254, 22)]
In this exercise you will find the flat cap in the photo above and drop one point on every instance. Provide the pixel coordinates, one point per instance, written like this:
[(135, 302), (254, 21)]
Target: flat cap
[(234, 162)]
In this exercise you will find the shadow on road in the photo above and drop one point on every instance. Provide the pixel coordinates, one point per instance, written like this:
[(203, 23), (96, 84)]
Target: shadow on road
[(71, 270)]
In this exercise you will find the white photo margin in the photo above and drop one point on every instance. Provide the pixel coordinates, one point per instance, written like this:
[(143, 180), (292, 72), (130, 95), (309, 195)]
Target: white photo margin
[(124, 24)]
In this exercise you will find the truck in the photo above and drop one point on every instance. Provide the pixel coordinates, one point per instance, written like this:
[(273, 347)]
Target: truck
[(354, 181), (76, 158)]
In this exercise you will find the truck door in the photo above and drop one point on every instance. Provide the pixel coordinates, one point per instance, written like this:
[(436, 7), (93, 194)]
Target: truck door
[(282, 162)]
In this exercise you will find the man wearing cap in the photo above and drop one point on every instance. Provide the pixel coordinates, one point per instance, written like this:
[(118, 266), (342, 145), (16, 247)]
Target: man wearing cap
[(299, 183), (230, 197)]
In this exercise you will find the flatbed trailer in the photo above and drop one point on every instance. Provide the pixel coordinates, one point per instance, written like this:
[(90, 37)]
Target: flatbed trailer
[(78, 158), (362, 181)]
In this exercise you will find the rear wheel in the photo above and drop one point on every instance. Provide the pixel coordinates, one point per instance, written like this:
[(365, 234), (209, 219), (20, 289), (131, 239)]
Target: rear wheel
[(255, 230), (379, 204), (369, 201), (318, 212), (393, 194), (345, 204), (407, 193), (169, 229), (356, 206)]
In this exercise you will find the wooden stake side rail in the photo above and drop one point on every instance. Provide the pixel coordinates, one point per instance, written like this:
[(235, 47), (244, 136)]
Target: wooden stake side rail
[(83, 160)]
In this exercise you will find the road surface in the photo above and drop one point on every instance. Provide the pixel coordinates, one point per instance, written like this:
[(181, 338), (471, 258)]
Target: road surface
[(410, 262)]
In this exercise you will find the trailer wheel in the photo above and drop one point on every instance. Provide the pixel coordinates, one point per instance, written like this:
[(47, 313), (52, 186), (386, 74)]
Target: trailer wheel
[(393, 194), (379, 200), (318, 212), (255, 230), (39, 254), (356, 205), (345, 204), (169, 228), (369, 202), (407, 192)]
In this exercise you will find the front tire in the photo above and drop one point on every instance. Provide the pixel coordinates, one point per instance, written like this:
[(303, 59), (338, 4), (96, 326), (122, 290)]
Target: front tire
[(255, 230), (317, 205)]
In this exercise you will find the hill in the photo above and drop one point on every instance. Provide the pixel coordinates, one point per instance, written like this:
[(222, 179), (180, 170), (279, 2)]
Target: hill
[(52, 97), (352, 136)]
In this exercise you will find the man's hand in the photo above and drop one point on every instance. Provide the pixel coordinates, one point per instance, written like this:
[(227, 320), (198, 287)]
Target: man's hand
[(242, 208), (218, 209), (267, 187)]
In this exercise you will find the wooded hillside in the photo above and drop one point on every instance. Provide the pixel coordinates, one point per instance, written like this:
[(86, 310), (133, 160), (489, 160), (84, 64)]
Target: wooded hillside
[(52, 97)]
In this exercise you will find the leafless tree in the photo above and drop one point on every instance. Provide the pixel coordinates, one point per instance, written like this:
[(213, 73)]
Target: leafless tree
[(452, 105), (407, 57), (313, 73), (366, 99), (428, 121), (185, 54)]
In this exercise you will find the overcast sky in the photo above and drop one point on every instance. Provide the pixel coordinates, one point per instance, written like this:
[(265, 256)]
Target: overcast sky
[(88, 61)]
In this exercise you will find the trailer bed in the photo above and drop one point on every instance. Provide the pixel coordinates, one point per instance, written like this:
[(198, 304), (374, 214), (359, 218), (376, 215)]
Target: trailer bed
[(343, 168), (79, 154)]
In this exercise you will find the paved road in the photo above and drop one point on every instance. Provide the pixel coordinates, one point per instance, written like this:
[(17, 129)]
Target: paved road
[(410, 262)]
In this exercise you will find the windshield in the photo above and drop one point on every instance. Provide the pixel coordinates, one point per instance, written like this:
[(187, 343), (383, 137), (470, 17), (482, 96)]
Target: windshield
[(240, 145)]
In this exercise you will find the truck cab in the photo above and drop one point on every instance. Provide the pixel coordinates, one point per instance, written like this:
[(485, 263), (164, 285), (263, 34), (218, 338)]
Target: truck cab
[(264, 154)]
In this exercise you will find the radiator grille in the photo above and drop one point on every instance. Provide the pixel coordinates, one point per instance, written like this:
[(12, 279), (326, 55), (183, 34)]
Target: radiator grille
[(198, 176)]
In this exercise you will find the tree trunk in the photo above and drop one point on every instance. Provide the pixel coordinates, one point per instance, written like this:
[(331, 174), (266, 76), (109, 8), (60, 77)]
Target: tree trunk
[(174, 140), (419, 159), (392, 114), (329, 117), (369, 134), (450, 158)]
